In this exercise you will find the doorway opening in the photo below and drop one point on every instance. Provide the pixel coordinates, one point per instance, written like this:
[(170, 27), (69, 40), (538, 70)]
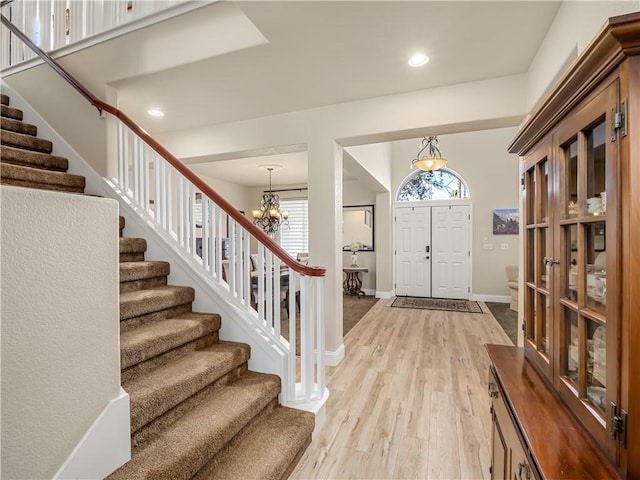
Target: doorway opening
[(433, 236)]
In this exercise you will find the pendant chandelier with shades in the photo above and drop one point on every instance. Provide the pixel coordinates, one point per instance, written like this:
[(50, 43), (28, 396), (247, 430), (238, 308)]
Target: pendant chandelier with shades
[(429, 157), (269, 217)]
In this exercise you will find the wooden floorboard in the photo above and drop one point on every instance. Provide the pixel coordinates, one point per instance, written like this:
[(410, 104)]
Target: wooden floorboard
[(409, 399)]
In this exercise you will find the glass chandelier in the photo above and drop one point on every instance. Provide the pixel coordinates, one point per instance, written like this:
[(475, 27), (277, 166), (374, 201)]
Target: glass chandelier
[(429, 157), (269, 217)]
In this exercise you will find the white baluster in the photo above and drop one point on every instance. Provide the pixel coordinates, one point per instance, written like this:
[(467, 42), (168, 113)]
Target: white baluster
[(306, 339), (268, 273), (237, 257), (145, 180), (181, 213), (157, 210), (248, 288), (125, 156), (191, 230), (168, 197), (319, 303), (137, 182), (218, 242), (291, 364), (232, 257), (206, 234), (261, 269), (121, 161), (277, 283)]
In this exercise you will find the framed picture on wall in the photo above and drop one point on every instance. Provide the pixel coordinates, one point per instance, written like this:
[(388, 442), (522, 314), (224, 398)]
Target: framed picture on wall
[(506, 221)]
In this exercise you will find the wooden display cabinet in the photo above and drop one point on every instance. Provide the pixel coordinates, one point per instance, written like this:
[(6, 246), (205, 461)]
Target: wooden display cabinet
[(580, 154)]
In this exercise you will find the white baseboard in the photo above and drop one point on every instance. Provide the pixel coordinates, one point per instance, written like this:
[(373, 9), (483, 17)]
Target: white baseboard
[(106, 445), (318, 408), (333, 358), (369, 291), (389, 294), (491, 298)]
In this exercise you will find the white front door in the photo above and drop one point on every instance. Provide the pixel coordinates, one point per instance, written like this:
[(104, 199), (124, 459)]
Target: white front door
[(450, 251), (413, 257), (433, 251)]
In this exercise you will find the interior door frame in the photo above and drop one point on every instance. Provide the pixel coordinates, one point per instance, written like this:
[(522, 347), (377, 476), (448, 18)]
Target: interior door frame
[(436, 203)]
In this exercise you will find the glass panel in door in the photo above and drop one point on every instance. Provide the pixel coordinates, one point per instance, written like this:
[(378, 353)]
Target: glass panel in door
[(572, 352), (596, 271), (570, 265), (596, 364), (571, 180), (596, 169)]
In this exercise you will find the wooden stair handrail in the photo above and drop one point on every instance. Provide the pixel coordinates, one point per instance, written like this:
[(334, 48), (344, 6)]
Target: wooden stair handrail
[(169, 157)]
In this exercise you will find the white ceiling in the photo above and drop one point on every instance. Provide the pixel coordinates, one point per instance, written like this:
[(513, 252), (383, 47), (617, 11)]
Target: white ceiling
[(327, 52)]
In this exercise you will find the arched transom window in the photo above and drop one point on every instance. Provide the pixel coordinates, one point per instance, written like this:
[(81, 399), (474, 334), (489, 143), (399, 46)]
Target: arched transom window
[(441, 184)]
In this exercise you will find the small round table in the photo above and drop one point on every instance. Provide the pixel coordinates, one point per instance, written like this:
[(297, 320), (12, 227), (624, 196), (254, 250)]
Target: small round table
[(352, 283)]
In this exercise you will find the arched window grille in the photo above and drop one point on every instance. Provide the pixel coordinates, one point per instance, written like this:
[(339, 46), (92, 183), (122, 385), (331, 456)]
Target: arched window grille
[(443, 184)]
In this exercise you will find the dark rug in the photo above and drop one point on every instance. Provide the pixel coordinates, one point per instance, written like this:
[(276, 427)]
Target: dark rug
[(353, 309), (507, 318), (465, 306)]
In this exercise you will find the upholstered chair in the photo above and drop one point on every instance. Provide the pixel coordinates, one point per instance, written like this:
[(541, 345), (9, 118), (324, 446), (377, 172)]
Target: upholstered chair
[(512, 282)]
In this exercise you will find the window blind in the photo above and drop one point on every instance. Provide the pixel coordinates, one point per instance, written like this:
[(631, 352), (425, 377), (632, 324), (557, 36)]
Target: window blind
[(295, 238)]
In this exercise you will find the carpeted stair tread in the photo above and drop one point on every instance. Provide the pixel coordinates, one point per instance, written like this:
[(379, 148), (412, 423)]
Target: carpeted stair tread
[(4, 100), (10, 112), (17, 126), (44, 179), (133, 245), (274, 444), (141, 302), (130, 271), (28, 142), (160, 390), (187, 445), (150, 340), (27, 158)]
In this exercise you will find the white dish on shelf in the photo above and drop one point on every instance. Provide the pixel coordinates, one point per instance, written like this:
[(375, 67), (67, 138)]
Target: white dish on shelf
[(597, 396), (599, 342)]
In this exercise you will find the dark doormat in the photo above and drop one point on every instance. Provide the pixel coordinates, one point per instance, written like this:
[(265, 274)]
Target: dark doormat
[(465, 306)]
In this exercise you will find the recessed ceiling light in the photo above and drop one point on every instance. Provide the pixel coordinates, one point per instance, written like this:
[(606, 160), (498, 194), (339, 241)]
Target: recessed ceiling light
[(154, 112), (418, 60)]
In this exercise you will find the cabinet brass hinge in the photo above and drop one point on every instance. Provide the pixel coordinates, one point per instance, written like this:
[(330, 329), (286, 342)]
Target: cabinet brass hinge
[(619, 425), (619, 120)]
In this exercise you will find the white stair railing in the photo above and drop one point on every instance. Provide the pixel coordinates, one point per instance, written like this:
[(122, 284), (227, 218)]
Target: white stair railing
[(257, 281), (56, 24), (252, 271)]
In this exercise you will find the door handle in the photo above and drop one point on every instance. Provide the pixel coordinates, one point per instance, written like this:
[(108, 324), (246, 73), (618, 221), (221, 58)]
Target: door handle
[(550, 261), (427, 249)]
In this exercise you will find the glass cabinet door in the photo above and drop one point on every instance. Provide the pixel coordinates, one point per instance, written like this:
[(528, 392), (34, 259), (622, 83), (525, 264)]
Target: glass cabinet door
[(587, 367), (539, 242)]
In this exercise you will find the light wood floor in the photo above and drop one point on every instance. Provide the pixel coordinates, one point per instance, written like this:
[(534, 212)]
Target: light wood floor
[(409, 400)]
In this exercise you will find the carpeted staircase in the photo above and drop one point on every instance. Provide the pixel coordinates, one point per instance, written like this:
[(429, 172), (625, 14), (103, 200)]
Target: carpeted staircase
[(196, 409)]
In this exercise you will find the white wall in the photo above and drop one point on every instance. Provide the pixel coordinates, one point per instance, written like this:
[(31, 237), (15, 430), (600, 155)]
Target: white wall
[(237, 195), (491, 173), (375, 159), (60, 324), (574, 26)]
